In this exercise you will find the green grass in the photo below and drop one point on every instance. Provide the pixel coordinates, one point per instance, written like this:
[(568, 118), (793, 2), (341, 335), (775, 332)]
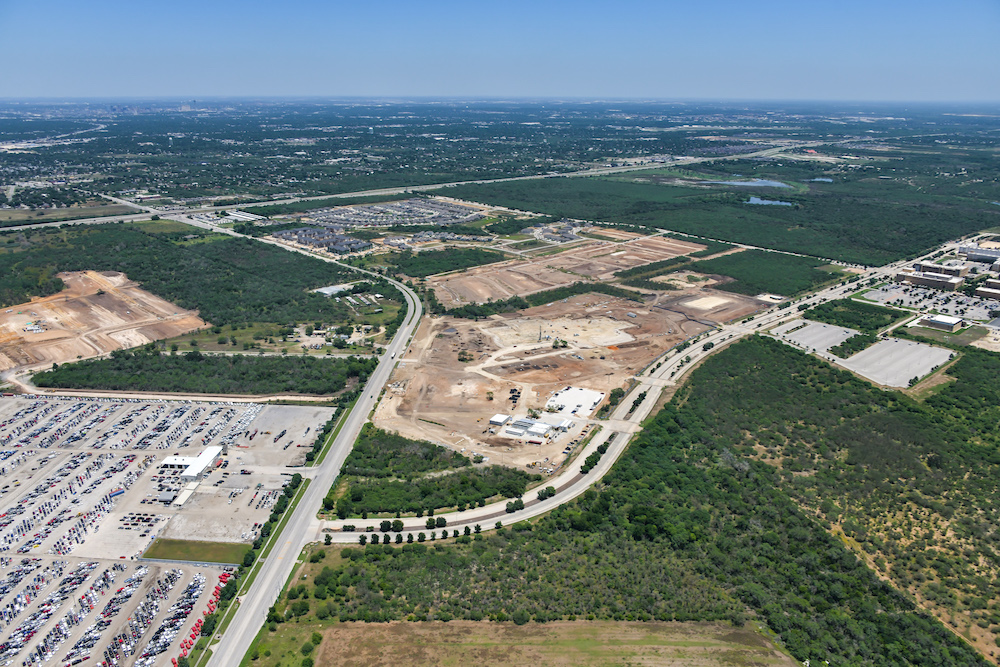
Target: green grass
[(197, 551)]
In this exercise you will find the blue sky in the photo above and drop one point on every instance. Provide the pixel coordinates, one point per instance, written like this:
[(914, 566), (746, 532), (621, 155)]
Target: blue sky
[(664, 49)]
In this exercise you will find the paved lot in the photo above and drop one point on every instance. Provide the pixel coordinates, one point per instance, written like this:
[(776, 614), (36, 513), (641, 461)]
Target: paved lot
[(894, 362), (79, 488), (814, 336), (927, 300)]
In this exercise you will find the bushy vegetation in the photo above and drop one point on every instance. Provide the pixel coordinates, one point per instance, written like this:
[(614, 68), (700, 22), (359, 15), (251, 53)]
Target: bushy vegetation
[(757, 272), (689, 525), (653, 269), (467, 487), (228, 280), (423, 264), (378, 453), (853, 345), (147, 369), (855, 220), (864, 317)]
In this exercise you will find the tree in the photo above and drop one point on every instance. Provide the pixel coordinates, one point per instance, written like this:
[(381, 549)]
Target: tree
[(248, 558), (363, 540)]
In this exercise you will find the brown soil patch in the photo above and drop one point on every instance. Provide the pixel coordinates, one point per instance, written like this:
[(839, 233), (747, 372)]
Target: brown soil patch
[(576, 643), (597, 260), (97, 312), (434, 396)]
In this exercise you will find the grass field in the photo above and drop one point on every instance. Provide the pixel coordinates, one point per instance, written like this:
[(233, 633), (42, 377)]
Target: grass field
[(201, 552), (564, 643), (17, 216), (970, 335)]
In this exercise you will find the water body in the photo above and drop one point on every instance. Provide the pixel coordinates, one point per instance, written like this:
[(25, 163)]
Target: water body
[(769, 202), (821, 180), (755, 183)]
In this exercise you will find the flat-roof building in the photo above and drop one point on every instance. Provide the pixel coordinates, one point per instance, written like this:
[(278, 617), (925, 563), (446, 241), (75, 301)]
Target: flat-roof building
[(193, 468), (974, 253), (943, 322), (933, 280), (944, 269), (499, 420), (988, 293)]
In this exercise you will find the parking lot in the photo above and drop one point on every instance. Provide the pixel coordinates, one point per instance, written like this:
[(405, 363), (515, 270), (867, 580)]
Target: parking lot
[(83, 492), (813, 336), (927, 300), (894, 362)]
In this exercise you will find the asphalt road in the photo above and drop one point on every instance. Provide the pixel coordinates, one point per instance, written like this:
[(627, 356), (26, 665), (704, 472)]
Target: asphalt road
[(276, 569)]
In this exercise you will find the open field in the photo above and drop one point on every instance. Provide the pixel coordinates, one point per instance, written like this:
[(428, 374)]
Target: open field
[(97, 312), (568, 643), (17, 216), (207, 552)]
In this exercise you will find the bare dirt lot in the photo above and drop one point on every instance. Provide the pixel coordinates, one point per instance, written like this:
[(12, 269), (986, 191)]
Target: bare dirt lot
[(598, 260), (434, 395), (560, 643), (97, 312)]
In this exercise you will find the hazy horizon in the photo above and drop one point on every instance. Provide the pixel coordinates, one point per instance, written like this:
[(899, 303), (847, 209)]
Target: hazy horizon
[(726, 51)]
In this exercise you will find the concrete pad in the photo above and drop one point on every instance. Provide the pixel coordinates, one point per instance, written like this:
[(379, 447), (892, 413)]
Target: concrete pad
[(895, 362)]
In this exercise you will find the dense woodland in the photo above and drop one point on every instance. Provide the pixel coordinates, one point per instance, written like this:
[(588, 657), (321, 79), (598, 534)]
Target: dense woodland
[(858, 218), (388, 473), (758, 272), (147, 369), (864, 317), (228, 280), (694, 522), (430, 262)]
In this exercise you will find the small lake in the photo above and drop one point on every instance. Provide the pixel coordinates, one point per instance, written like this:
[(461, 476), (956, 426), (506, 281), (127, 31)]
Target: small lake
[(755, 183), (769, 202), (821, 180)]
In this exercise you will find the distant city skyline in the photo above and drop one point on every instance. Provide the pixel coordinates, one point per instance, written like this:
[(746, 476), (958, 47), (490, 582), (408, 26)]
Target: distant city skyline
[(916, 51)]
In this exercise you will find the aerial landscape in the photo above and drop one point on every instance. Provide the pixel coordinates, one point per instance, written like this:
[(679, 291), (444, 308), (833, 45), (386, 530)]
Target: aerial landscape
[(407, 336)]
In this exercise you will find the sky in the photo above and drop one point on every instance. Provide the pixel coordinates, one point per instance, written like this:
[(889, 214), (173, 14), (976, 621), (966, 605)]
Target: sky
[(854, 50)]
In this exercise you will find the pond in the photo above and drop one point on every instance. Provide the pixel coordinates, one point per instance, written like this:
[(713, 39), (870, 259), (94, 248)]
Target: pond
[(755, 183), (769, 202)]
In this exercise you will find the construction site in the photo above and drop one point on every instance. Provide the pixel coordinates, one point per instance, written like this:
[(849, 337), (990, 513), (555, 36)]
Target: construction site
[(593, 260), (97, 313), (458, 373)]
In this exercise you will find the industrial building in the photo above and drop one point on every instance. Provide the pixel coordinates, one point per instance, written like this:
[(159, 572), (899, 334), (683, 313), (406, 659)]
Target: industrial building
[(974, 253), (939, 281), (957, 270), (988, 292), (943, 322), (193, 468)]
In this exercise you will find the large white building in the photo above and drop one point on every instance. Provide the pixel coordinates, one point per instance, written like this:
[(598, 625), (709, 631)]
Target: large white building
[(193, 468)]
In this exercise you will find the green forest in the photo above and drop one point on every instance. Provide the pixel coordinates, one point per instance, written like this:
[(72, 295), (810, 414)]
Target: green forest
[(423, 264), (228, 280), (870, 222), (865, 317), (378, 453), (388, 473), (695, 523), (147, 369), (757, 272)]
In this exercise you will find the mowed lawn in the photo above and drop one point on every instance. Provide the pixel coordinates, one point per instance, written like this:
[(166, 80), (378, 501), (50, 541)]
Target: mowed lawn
[(193, 550), (487, 644)]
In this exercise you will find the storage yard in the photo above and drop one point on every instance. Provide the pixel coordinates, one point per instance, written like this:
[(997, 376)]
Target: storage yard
[(97, 312), (517, 362), (88, 484)]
